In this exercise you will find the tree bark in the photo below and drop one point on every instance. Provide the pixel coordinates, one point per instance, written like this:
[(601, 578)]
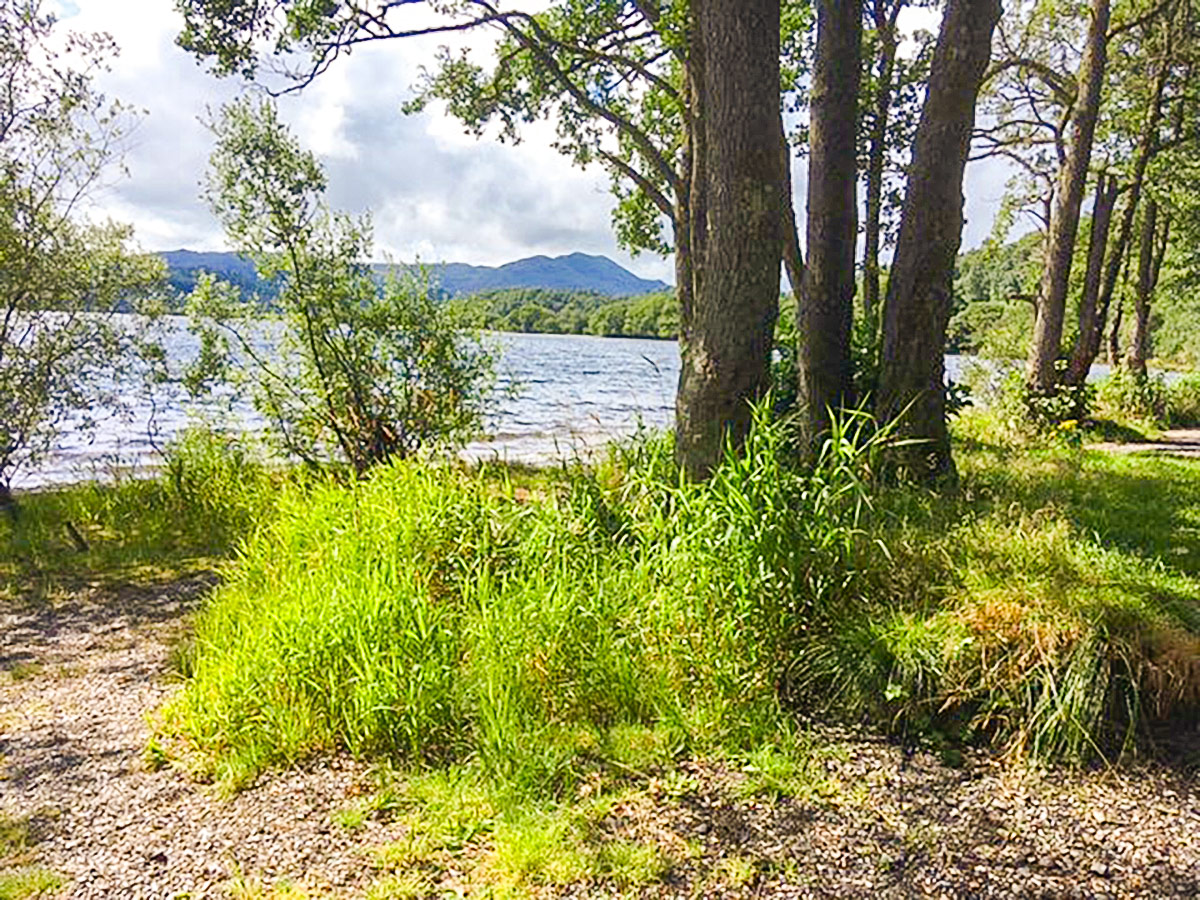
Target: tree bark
[(1090, 323), (1151, 249), (1114, 335), (736, 215), (885, 26), (793, 256), (1068, 198), (917, 309), (1135, 353), (826, 309), (1118, 256)]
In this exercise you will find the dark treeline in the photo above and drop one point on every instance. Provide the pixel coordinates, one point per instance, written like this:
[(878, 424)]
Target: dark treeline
[(543, 311)]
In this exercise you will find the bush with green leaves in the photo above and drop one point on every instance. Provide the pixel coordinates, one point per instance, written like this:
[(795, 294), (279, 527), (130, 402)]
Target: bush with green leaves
[(63, 281), (1183, 402), (1046, 414), (345, 365), (1128, 395)]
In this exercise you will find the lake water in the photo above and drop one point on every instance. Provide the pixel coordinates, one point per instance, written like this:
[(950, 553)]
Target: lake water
[(575, 393)]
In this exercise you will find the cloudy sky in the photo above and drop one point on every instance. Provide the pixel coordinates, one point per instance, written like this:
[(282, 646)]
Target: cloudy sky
[(434, 192)]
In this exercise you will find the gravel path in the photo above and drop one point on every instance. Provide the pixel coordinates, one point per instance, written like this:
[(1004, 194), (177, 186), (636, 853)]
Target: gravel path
[(77, 680), (1176, 442), (72, 732)]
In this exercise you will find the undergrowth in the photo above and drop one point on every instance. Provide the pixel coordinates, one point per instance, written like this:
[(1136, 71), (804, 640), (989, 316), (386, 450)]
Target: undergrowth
[(437, 615), (433, 613), (210, 494)]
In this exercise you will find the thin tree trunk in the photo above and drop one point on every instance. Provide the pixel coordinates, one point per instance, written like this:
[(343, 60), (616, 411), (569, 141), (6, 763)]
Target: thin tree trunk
[(736, 232), (1068, 198), (1114, 336), (1090, 324), (826, 310), (885, 26), (793, 256), (1151, 249), (1135, 353), (917, 310), (1118, 256)]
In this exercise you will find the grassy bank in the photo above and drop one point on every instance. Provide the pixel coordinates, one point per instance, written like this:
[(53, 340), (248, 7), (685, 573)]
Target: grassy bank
[(528, 624), (433, 614), (210, 495), (530, 656)]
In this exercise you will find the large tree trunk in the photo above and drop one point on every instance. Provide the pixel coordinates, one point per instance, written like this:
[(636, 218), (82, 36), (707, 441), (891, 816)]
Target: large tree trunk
[(917, 310), (1090, 323), (1068, 197), (885, 27), (736, 231), (827, 305)]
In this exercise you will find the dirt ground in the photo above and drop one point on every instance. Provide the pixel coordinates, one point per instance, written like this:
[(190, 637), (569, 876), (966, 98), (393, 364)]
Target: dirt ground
[(1176, 442), (78, 680)]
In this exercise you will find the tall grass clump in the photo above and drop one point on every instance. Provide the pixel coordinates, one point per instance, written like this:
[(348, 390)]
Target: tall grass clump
[(1050, 607), (209, 495), (434, 613)]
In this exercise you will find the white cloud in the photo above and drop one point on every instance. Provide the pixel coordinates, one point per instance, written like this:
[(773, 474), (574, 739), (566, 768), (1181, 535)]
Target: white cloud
[(432, 190)]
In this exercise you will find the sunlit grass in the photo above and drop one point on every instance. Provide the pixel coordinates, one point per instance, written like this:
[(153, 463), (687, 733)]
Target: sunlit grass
[(210, 495), (28, 882), (537, 622)]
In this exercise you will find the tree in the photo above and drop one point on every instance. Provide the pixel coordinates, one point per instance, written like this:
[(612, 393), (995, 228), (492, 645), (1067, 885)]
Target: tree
[(918, 304), (1041, 373), (826, 309), (736, 209), (893, 86), (625, 81), (362, 371), (1151, 249), (1074, 84), (63, 280)]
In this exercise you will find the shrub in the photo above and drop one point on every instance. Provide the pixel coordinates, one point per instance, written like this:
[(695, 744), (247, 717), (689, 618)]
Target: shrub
[(1126, 395), (362, 372), (1183, 402), (1042, 414)]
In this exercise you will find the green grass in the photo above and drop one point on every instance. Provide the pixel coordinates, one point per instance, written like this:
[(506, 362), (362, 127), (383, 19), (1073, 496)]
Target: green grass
[(463, 833), (210, 495), (19, 879), (1052, 605), (28, 882), (433, 613), (541, 625)]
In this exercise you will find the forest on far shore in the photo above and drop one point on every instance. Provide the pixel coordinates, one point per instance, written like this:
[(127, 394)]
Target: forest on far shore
[(994, 289)]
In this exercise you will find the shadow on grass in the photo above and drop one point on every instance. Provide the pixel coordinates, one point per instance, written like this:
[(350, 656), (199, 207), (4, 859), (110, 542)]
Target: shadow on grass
[(1149, 507)]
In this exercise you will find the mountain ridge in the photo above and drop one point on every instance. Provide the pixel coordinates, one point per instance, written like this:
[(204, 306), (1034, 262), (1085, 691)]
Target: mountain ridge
[(570, 272)]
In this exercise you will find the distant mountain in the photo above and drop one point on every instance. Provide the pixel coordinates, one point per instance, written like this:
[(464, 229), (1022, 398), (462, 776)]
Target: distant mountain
[(184, 268), (575, 272)]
